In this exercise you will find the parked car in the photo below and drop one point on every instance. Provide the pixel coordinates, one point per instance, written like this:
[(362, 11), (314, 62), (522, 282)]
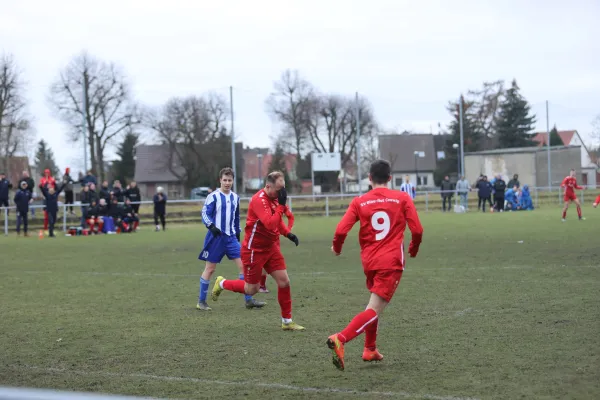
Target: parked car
[(200, 193)]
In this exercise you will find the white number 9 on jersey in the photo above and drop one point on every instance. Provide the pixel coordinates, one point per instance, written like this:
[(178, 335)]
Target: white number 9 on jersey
[(383, 227)]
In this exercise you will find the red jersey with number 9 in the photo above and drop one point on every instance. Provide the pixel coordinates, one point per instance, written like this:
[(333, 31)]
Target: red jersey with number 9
[(383, 216)]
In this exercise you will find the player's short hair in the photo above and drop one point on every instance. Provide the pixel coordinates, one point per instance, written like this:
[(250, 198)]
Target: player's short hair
[(226, 171), (273, 176), (380, 172)]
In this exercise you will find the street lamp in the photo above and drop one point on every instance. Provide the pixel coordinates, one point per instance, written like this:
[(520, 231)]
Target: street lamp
[(259, 156), (457, 148), (418, 154)]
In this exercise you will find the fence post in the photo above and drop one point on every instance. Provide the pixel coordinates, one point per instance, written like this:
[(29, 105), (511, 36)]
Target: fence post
[(290, 204), (64, 217), (537, 203), (327, 206), (426, 201), (5, 221), (582, 201)]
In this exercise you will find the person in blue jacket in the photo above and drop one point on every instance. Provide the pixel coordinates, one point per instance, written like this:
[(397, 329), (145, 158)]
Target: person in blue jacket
[(22, 200), (525, 202), (510, 198), (51, 196)]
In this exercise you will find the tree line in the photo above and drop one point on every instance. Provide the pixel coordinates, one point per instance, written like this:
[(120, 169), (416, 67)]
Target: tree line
[(94, 100)]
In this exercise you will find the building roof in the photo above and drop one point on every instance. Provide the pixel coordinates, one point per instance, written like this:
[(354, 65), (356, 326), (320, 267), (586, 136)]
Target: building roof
[(16, 166), (515, 150), (566, 136), (399, 151)]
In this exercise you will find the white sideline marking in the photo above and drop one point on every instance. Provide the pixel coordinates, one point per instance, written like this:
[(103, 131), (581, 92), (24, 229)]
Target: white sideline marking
[(245, 383)]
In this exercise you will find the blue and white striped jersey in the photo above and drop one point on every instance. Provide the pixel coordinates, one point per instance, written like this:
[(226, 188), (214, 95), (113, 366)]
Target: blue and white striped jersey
[(408, 188), (222, 210)]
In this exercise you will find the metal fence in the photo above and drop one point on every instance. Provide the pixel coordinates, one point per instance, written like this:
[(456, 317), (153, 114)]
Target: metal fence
[(309, 205)]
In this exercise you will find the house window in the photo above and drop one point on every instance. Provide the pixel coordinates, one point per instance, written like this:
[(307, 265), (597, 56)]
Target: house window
[(441, 155), (425, 180), (398, 182)]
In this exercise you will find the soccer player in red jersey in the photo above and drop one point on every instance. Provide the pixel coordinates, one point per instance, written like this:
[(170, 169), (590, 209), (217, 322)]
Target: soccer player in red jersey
[(383, 215), (597, 201), (570, 184), (290, 225), (47, 180), (260, 248)]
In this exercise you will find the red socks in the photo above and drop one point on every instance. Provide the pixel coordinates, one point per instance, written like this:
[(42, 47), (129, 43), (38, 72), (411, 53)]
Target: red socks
[(135, 225), (371, 335), (100, 226), (45, 220), (263, 281), (234, 285), (284, 296), (91, 225), (564, 214), (579, 212), (358, 325)]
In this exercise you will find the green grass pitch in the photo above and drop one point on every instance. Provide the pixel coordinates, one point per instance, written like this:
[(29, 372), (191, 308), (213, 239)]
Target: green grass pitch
[(479, 314)]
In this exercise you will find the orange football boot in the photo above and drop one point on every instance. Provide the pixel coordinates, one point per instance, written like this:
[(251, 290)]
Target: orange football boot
[(371, 355), (337, 349)]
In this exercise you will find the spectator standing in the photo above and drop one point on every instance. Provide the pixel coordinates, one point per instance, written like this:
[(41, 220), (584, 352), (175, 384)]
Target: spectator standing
[(447, 193), (5, 187), (30, 186), (117, 191), (133, 193), (462, 189), (89, 178), (86, 200), (499, 189), (408, 187), (514, 182), (69, 196), (105, 192), (22, 200), (47, 182), (160, 208), (484, 193), (51, 195)]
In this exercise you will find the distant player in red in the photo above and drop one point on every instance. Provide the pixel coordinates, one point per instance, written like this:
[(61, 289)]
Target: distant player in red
[(570, 184), (290, 225), (383, 215), (597, 201), (261, 249)]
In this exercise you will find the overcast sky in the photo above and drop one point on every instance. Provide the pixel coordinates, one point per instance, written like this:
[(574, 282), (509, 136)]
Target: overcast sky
[(408, 57)]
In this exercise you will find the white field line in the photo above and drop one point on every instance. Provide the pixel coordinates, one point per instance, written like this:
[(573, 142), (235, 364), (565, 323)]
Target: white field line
[(266, 385)]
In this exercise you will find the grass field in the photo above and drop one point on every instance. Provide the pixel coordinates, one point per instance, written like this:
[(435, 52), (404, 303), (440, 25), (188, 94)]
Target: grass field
[(479, 314)]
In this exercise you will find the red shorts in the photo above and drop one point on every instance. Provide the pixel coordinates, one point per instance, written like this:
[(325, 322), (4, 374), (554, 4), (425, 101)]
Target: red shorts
[(570, 197), (254, 262), (383, 282)]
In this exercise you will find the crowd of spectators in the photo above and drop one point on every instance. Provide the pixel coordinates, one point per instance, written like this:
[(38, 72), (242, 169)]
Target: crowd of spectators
[(108, 210)]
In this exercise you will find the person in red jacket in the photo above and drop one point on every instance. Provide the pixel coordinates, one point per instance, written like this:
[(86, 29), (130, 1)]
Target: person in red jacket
[(290, 225), (47, 182), (261, 248)]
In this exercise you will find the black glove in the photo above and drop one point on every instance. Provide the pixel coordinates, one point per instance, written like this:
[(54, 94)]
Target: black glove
[(293, 238), (282, 196), (237, 235), (215, 231)]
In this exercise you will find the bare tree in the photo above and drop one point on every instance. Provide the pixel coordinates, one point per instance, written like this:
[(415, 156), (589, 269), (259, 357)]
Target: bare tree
[(15, 124), (98, 91), (486, 106), (193, 130), (289, 105), (332, 125)]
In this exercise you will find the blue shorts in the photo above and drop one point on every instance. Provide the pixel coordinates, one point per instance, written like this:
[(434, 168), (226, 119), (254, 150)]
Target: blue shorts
[(217, 247)]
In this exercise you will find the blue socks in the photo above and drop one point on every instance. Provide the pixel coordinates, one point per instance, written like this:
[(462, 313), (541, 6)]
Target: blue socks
[(246, 296), (203, 290)]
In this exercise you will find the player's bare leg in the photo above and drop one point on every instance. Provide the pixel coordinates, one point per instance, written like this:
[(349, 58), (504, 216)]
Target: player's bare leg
[(596, 202), (564, 211), (366, 321), (250, 301), (263, 282), (578, 204), (284, 297), (209, 270)]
